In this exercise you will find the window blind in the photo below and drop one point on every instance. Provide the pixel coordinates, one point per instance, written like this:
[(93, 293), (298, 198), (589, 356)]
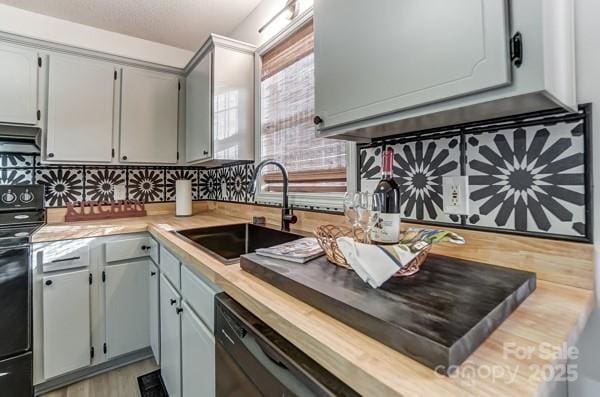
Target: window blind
[(315, 165)]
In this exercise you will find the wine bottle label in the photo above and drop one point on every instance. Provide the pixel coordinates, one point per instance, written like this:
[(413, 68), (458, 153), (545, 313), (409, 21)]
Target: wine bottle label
[(387, 229)]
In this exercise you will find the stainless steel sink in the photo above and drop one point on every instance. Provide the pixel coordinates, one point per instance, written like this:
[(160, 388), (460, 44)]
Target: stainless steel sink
[(227, 243)]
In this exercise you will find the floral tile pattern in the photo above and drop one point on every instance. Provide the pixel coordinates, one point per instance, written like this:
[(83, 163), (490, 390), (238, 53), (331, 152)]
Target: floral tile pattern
[(62, 185), (529, 179), (208, 185), (16, 160), (181, 173), (237, 183), (16, 176), (146, 184), (100, 182), (419, 168)]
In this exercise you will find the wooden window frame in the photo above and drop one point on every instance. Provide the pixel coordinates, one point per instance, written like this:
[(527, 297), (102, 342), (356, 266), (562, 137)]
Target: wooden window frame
[(313, 199)]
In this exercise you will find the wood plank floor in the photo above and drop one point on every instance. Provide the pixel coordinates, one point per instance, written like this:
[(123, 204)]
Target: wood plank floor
[(121, 382)]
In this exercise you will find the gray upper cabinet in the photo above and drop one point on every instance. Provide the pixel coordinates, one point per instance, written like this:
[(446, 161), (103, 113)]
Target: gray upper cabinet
[(198, 137), (401, 66), (149, 117), (19, 83), (80, 110), (220, 102)]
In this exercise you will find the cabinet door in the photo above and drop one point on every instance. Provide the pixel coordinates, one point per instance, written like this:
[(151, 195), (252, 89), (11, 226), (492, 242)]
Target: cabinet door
[(66, 322), (154, 302), (198, 126), (376, 59), (19, 82), (126, 307), (197, 356), (170, 338), (149, 102), (80, 110)]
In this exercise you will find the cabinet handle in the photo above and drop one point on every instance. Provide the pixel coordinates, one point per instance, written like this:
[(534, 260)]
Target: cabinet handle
[(124, 157), (317, 120), (50, 155), (173, 301), (205, 152), (178, 310), (153, 273), (145, 247), (48, 282)]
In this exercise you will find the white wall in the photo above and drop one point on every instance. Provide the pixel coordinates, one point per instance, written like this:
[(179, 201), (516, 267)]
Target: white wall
[(247, 30), (29, 24), (587, 35), (587, 49)]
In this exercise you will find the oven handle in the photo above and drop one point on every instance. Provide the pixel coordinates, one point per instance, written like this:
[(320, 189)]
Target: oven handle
[(72, 258)]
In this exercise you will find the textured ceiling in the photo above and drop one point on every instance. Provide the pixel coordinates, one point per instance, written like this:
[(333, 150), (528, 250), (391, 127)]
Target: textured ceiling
[(180, 23)]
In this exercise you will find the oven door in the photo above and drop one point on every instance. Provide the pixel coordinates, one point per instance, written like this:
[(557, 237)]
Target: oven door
[(15, 312)]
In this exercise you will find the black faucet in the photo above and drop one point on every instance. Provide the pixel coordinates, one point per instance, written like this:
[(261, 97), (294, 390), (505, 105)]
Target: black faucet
[(287, 214)]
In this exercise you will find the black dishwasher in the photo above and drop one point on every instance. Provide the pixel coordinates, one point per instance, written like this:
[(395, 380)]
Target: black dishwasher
[(254, 360)]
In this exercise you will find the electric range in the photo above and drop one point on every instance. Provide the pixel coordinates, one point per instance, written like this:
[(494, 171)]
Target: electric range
[(21, 214)]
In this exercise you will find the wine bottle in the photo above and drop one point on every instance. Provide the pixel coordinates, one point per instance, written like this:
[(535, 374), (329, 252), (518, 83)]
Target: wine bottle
[(387, 200)]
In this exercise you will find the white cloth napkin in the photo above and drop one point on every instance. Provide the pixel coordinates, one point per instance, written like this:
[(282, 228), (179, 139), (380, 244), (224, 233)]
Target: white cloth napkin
[(374, 264)]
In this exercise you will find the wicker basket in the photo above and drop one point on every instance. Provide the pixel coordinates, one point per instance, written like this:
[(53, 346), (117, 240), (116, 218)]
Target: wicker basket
[(328, 234)]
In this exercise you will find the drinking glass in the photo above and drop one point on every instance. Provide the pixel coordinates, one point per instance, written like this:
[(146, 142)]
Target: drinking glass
[(350, 202), (367, 209)]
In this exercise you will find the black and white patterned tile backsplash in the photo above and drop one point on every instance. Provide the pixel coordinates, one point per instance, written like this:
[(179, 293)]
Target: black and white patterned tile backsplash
[(528, 176), (71, 183)]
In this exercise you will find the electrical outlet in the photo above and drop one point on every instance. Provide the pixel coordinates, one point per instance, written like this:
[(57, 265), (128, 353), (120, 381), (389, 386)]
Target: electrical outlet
[(224, 190), (456, 195), (119, 192)]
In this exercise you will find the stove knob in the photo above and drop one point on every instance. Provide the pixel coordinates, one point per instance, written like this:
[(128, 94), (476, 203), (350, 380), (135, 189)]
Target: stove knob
[(9, 197), (26, 196)]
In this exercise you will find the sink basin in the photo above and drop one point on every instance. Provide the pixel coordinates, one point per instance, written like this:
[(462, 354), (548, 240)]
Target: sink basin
[(227, 243)]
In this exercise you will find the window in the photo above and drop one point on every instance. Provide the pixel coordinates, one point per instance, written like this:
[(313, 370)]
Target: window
[(315, 165)]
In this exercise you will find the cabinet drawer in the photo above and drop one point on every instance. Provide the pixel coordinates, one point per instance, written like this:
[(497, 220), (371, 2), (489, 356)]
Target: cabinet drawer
[(199, 295), (170, 267), (131, 248), (62, 255)]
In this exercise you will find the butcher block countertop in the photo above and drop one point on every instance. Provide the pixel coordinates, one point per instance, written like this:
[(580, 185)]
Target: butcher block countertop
[(511, 362)]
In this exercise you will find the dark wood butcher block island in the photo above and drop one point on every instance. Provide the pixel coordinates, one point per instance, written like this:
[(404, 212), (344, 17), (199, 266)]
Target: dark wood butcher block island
[(438, 316)]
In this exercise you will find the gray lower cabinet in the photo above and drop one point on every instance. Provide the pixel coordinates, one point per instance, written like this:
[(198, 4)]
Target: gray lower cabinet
[(127, 308), (170, 337), (66, 318), (417, 64), (197, 356), (154, 304)]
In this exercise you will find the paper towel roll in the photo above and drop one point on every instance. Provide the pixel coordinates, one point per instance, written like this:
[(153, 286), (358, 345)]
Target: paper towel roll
[(183, 197)]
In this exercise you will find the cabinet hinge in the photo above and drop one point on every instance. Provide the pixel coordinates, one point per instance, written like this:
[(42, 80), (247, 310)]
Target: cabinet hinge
[(112, 153), (92, 352), (90, 278), (104, 349), (39, 115), (516, 49), (103, 276), (115, 75), (40, 62)]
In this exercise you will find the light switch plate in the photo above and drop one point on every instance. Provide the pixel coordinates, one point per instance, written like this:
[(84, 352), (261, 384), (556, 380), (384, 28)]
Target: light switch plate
[(456, 195)]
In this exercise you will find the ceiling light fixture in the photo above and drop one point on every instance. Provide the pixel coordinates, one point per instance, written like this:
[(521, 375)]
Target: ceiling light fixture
[(291, 10)]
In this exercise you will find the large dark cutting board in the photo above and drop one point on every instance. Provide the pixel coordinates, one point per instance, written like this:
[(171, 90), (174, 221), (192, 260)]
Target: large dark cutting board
[(438, 316)]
